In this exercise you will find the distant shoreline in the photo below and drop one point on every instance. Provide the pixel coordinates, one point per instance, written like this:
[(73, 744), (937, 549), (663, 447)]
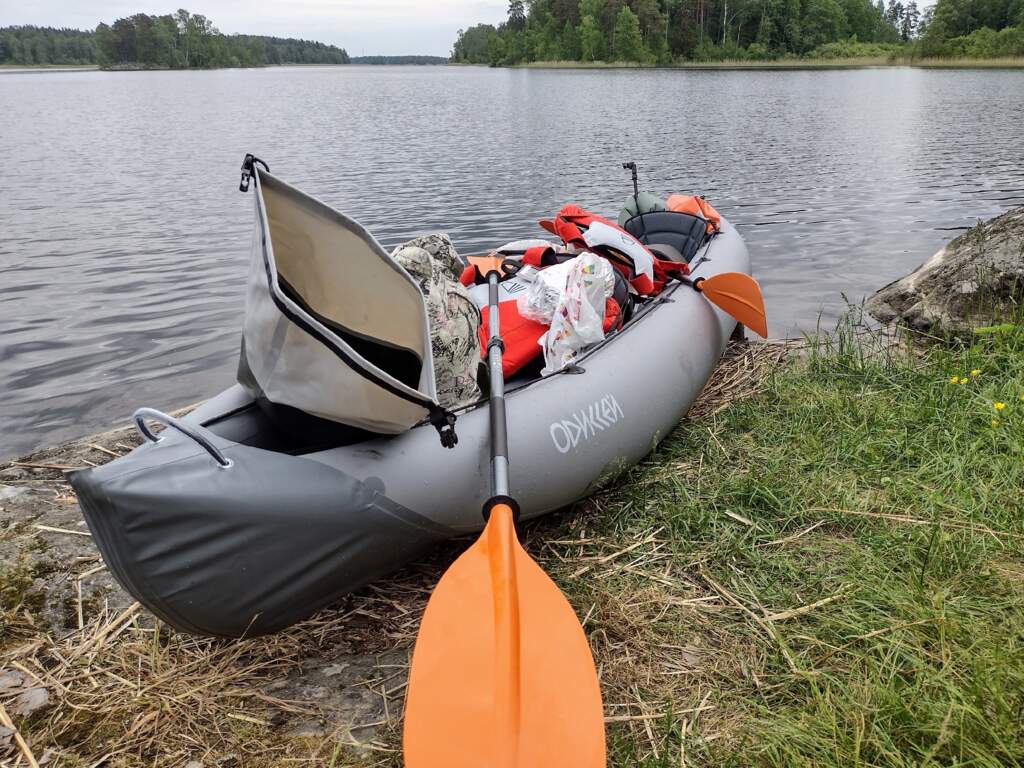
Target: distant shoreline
[(794, 64), (14, 68), (782, 64)]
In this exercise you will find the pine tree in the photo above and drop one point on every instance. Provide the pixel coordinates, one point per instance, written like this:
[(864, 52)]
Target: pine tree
[(629, 43), (516, 14), (910, 20)]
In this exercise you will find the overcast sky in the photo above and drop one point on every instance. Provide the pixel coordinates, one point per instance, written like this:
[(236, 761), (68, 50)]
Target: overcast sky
[(360, 26)]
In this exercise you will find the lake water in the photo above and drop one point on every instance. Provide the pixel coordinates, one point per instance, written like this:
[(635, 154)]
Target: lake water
[(124, 240)]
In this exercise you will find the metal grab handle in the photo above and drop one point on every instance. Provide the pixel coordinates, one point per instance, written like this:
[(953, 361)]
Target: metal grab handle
[(142, 414)]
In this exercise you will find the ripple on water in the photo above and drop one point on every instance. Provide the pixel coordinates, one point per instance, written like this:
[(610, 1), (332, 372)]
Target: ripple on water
[(123, 277)]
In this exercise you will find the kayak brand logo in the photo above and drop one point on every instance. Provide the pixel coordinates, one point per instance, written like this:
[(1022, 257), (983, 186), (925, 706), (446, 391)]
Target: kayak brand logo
[(597, 417)]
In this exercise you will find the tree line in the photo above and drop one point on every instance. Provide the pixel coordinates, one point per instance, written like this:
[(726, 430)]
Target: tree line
[(28, 46), (182, 40), (664, 31), (973, 28)]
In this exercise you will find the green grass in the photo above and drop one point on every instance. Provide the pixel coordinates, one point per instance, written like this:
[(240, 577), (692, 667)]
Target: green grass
[(864, 478)]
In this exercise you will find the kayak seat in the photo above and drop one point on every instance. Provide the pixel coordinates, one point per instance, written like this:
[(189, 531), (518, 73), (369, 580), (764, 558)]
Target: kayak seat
[(665, 251), (682, 232)]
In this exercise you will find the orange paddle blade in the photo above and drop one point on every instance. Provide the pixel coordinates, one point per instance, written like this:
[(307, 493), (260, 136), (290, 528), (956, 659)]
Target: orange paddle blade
[(740, 296), (486, 264), (502, 674)]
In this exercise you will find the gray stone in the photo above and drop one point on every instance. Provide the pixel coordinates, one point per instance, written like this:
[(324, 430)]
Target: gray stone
[(31, 701), (975, 280), (12, 491)]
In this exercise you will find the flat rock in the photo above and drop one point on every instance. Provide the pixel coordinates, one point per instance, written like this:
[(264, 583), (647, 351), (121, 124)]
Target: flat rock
[(975, 280)]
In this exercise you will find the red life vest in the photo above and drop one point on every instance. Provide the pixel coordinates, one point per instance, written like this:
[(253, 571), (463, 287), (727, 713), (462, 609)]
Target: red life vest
[(644, 270), (521, 335)]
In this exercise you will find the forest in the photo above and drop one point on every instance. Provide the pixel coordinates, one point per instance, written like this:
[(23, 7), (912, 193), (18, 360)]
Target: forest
[(668, 31), (182, 40)]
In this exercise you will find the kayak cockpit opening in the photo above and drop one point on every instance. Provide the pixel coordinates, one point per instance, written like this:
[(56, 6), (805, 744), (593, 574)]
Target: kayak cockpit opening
[(345, 342)]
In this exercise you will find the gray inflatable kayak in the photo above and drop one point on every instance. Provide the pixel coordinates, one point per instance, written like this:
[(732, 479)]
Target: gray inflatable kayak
[(227, 524)]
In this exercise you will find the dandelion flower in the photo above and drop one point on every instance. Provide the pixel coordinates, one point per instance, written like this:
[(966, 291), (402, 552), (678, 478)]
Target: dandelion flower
[(976, 372), (963, 381), (999, 406), (995, 423), (956, 380)]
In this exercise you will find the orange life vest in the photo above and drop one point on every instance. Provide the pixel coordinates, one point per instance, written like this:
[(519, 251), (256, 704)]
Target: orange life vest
[(696, 206)]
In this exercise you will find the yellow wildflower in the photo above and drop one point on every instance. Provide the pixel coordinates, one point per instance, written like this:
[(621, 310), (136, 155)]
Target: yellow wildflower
[(956, 380), (999, 406), (976, 372), (995, 423), (963, 381)]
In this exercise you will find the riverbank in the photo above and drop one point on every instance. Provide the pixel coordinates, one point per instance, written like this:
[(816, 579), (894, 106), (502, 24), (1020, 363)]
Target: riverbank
[(824, 564), (47, 68), (794, 64)]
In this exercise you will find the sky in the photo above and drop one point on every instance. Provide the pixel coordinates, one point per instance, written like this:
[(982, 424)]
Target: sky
[(362, 27)]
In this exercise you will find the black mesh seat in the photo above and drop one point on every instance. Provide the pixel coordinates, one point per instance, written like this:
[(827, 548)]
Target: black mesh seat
[(682, 231)]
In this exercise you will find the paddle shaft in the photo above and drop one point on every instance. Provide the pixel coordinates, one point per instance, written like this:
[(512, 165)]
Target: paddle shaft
[(499, 430), (501, 554)]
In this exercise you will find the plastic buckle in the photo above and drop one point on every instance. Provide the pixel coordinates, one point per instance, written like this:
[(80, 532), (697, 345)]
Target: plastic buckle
[(444, 423)]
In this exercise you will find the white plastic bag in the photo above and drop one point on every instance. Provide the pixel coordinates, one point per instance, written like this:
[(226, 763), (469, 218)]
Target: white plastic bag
[(578, 319), (543, 296)]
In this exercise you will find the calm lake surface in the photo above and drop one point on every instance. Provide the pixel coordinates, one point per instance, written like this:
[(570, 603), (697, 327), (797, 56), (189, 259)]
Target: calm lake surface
[(124, 240)]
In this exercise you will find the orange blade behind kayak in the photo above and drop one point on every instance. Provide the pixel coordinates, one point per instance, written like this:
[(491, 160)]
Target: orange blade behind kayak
[(502, 674), (740, 296)]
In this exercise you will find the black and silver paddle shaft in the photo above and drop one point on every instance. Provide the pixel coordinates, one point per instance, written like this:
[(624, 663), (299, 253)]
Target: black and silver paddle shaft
[(499, 434)]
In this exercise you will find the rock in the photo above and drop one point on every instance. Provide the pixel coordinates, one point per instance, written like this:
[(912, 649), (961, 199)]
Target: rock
[(975, 280), (11, 681), (31, 701), (12, 491)]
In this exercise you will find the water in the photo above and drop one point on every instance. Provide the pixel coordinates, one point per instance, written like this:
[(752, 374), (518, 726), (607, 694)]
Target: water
[(123, 238)]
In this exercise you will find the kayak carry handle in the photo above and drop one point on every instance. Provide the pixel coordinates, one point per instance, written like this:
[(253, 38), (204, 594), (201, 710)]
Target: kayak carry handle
[(140, 416)]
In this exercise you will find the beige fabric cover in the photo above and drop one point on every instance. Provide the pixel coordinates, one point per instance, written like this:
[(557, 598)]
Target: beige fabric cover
[(342, 274)]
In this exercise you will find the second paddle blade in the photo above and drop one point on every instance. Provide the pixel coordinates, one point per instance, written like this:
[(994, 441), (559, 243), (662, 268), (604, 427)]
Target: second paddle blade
[(461, 711), (740, 296)]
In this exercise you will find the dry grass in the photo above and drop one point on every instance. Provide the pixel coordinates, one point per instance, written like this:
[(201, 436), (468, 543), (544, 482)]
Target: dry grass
[(125, 691)]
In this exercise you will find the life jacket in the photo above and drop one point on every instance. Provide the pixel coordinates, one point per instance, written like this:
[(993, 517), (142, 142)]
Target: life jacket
[(642, 268), (521, 335), (696, 206)]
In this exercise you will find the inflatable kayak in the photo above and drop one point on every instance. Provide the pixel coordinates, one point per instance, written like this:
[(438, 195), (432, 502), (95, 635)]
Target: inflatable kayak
[(230, 523)]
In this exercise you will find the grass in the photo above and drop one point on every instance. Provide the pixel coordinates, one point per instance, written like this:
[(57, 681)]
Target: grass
[(838, 569), (823, 566)]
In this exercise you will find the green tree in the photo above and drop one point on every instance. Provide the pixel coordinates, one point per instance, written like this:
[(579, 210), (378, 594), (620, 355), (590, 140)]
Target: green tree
[(591, 39), (629, 43), (472, 45), (516, 14), (823, 22), (570, 42)]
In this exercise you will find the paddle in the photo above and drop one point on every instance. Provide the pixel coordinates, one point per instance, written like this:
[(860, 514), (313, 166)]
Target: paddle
[(502, 675), (737, 294)]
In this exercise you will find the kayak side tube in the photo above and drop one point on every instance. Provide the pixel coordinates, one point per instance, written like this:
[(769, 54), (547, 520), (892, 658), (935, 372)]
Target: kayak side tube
[(247, 549)]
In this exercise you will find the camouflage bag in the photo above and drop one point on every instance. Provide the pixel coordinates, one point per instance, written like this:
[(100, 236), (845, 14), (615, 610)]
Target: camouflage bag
[(454, 319)]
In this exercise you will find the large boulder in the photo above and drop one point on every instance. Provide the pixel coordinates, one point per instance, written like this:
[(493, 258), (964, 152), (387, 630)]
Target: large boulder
[(975, 280)]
